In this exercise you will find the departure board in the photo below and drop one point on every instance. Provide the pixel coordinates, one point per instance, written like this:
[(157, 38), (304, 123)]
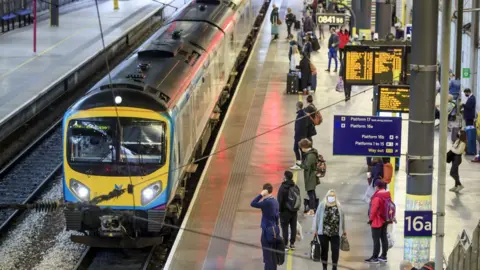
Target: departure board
[(393, 98), (358, 67), (388, 64)]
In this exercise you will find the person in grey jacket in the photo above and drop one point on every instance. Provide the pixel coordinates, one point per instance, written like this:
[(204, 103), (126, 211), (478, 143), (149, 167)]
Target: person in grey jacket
[(308, 23), (329, 225)]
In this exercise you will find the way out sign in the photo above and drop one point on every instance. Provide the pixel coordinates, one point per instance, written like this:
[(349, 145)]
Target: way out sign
[(418, 224)]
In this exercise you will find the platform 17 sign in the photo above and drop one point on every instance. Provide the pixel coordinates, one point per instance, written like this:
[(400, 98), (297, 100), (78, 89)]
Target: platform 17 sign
[(367, 136), (418, 223), (334, 18)]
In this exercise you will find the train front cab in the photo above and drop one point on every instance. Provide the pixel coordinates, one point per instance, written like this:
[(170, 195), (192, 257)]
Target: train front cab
[(93, 167)]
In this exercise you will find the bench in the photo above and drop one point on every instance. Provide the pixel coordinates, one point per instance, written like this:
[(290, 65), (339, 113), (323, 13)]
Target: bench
[(8, 19), (25, 15)]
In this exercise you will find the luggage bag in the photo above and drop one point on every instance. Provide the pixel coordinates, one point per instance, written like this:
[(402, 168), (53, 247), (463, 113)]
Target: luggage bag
[(292, 83), (471, 140), (315, 44), (297, 25)]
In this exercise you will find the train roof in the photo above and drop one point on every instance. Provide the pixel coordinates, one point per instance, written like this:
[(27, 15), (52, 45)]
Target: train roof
[(165, 64)]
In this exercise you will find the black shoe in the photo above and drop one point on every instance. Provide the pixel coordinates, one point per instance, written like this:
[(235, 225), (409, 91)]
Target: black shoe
[(371, 260), (292, 247), (382, 258), (335, 70), (327, 70)]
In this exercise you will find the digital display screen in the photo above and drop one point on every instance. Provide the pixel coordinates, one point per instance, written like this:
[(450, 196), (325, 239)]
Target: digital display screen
[(388, 65), (393, 98), (331, 18), (359, 67)]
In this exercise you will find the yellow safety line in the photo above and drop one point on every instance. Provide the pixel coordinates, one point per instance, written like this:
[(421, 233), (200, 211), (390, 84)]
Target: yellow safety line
[(392, 183), (42, 53)]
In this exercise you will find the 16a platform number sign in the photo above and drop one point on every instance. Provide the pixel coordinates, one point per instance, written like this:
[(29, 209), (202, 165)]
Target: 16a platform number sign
[(418, 223)]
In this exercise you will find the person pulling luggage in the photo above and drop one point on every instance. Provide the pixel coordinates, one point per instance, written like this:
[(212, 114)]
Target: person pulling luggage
[(289, 202)]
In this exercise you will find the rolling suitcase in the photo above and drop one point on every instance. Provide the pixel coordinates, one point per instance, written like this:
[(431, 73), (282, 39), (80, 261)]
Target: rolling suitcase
[(292, 83), (297, 25), (471, 140), (315, 44)]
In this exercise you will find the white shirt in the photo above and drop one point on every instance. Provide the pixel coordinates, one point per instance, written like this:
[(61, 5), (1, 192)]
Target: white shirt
[(458, 147), (294, 61)]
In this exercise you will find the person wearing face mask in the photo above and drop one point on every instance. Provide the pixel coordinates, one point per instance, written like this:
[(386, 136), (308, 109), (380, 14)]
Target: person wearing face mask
[(269, 224), (469, 107), (458, 148), (329, 225)]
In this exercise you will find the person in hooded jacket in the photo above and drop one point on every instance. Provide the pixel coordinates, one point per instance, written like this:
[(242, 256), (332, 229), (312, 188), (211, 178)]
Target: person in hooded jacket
[(288, 218), (309, 166), (378, 223), (306, 74), (301, 125), (274, 19), (329, 225), (308, 23)]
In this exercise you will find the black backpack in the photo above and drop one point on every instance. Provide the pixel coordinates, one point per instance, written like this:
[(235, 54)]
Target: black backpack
[(293, 200)]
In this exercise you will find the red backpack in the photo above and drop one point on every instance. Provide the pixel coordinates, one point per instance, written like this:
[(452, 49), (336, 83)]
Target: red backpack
[(387, 173), (389, 209)]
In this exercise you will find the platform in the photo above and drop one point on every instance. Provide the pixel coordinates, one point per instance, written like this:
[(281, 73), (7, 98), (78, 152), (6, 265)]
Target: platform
[(24, 75), (221, 204)]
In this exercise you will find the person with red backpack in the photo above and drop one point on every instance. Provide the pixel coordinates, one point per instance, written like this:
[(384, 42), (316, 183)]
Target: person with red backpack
[(381, 213)]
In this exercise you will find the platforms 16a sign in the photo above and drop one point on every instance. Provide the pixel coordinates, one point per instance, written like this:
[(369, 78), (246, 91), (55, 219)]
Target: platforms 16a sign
[(418, 224), (334, 18)]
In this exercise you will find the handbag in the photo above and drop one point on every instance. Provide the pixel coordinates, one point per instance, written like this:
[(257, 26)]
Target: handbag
[(368, 194), (391, 241), (279, 246), (344, 244), (315, 249), (450, 156), (279, 22)]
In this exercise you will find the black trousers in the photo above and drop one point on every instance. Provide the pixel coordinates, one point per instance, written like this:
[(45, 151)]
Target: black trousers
[(379, 235), (334, 242), (347, 91), (289, 219), (289, 30), (457, 160), (312, 198), (469, 122), (342, 55)]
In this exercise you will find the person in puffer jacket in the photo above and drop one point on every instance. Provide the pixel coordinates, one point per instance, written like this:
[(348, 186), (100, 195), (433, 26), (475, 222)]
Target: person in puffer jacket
[(378, 223)]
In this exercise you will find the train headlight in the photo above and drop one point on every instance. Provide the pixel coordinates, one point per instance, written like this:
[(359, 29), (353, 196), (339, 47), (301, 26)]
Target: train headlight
[(151, 192), (82, 191)]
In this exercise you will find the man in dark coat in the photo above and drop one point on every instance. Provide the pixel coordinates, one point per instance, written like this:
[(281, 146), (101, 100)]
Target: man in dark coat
[(311, 110), (301, 125), (469, 107), (306, 72), (288, 218)]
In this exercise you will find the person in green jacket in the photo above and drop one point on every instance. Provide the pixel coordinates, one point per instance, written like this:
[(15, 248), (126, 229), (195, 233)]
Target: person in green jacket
[(309, 166)]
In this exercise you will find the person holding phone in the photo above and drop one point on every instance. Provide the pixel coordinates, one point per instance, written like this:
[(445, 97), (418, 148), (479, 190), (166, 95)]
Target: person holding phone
[(269, 224)]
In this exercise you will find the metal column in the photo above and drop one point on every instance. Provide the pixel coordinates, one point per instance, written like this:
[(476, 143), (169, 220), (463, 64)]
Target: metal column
[(357, 10), (54, 13), (458, 49), (383, 18), (364, 19), (442, 148), (421, 121), (474, 45)]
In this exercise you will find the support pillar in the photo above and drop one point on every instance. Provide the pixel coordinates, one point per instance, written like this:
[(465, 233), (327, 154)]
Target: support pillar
[(356, 7), (383, 18), (421, 122), (54, 13), (458, 49), (115, 4), (364, 17), (474, 46)]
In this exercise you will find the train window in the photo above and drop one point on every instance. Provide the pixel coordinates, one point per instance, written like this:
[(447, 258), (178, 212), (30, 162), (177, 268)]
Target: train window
[(91, 140), (142, 142)]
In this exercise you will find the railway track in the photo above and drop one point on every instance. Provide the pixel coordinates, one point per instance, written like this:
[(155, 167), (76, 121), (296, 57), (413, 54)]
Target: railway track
[(27, 175), (121, 259)]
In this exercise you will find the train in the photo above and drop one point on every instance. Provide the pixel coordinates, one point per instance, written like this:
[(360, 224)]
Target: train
[(132, 133)]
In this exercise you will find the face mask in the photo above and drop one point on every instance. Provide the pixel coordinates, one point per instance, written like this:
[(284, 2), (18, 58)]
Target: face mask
[(330, 199)]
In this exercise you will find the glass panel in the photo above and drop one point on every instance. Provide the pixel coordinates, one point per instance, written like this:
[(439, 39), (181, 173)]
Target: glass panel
[(91, 141), (142, 142)]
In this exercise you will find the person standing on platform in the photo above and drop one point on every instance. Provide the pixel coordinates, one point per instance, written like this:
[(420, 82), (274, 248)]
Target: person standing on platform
[(306, 74), (329, 225), (344, 37), (288, 198), (310, 110), (378, 223), (307, 47), (469, 107), (275, 21), (290, 20), (454, 86), (458, 148), (309, 166), (333, 43), (301, 125), (269, 224), (308, 23), (294, 59)]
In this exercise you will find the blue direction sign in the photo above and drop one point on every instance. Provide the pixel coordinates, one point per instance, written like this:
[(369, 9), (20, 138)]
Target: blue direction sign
[(418, 224), (367, 136)]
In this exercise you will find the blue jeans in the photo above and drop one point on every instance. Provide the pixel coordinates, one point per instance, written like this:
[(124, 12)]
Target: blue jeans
[(332, 54)]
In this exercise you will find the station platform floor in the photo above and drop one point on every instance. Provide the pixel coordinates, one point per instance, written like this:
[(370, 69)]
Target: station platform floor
[(232, 178), (24, 74)]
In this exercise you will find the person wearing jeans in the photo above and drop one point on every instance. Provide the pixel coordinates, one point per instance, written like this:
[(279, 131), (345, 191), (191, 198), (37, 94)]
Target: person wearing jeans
[(458, 148), (378, 223), (329, 225), (333, 43)]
